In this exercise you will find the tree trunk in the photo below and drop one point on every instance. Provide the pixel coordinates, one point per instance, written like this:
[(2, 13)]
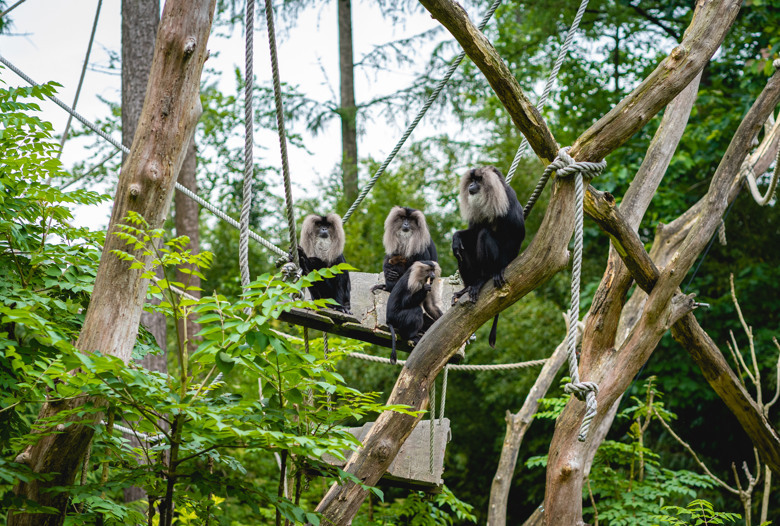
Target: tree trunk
[(347, 111), (145, 186), (139, 30), (187, 214)]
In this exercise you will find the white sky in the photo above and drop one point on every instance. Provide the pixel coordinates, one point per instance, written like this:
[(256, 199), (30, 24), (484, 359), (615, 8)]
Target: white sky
[(48, 41)]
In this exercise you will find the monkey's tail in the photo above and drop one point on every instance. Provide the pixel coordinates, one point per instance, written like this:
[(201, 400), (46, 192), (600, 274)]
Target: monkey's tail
[(393, 356), (493, 331)]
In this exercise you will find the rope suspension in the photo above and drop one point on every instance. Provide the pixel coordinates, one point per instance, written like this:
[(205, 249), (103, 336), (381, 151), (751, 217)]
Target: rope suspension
[(456, 367), (246, 203), (564, 165), (119, 146), (269, 16), (450, 71), (750, 175), (81, 78), (542, 101)]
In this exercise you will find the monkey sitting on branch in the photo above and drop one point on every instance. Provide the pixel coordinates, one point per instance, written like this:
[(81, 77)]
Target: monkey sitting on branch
[(415, 303), (322, 246), (406, 240), (494, 236)]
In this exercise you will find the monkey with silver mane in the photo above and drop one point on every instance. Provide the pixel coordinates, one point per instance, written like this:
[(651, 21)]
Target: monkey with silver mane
[(494, 236), (322, 246), (406, 240), (415, 303)]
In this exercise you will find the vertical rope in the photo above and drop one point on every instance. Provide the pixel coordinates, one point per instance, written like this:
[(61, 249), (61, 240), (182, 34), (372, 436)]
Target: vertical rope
[(432, 407), (443, 393), (246, 205), (81, 78), (325, 352), (439, 86), (269, 16)]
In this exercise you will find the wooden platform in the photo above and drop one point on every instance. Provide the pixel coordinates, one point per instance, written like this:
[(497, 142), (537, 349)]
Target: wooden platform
[(411, 467), (368, 308)]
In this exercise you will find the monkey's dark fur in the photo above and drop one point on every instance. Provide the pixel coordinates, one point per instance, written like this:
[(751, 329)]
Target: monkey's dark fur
[(415, 303), (492, 240), (406, 240), (322, 246)]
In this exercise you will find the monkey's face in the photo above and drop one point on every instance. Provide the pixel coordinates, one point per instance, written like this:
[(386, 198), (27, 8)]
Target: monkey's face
[(323, 236), (406, 232), (323, 229), (482, 194), (406, 226)]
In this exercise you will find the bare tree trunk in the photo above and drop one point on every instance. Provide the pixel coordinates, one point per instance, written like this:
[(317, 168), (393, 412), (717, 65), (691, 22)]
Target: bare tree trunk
[(516, 426), (139, 30), (348, 110), (146, 186), (187, 214)]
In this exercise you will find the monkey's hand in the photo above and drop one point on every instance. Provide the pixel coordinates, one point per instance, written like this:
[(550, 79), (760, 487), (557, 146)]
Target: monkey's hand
[(392, 275), (427, 287), (457, 247), (381, 286), (498, 280), (474, 293), (456, 296)]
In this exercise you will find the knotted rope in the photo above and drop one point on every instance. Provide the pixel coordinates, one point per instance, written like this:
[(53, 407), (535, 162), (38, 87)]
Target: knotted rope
[(564, 165)]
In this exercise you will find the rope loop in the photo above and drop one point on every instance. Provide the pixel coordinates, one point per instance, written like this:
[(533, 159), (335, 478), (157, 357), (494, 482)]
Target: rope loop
[(581, 389), (565, 165)]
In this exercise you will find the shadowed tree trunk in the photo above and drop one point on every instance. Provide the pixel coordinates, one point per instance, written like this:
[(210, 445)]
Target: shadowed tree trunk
[(347, 111), (139, 30), (145, 186)]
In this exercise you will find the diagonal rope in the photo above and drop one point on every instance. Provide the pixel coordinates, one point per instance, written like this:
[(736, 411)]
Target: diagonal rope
[(17, 4), (540, 104), (183, 189), (246, 204), (450, 71), (750, 175), (564, 165), (81, 78), (269, 16)]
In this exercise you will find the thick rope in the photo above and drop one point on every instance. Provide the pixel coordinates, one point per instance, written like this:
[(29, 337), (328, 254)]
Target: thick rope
[(443, 392), (437, 90), (564, 165), (17, 4), (183, 189), (543, 100), (432, 406), (455, 367), (750, 175), (269, 16), (81, 78), (246, 204)]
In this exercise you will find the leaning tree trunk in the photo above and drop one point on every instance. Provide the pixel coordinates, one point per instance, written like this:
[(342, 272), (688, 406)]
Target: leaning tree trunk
[(347, 110), (146, 185)]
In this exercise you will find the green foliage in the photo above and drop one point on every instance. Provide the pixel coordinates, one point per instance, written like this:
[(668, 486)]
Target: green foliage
[(420, 509), (698, 512)]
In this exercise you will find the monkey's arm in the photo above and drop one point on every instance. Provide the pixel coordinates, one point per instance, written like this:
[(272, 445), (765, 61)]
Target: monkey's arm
[(343, 287), (430, 253)]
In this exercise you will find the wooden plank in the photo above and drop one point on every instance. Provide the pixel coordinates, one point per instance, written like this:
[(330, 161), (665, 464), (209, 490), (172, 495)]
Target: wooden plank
[(367, 322), (411, 467)]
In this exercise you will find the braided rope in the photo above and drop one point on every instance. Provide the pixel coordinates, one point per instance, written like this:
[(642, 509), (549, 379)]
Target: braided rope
[(17, 4), (432, 406), (269, 16), (81, 78), (443, 392), (455, 367), (436, 91), (246, 204), (722, 233), (564, 165), (750, 175), (183, 189), (543, 100)]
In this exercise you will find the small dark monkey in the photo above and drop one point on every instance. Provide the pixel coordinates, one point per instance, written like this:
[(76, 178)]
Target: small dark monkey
[(415, 303), (492, 240), (322, 246), (406, 240)]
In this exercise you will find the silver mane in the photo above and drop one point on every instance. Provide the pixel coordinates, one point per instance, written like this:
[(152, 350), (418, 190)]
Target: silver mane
[(327, 249), (401, 243), (490, 202)]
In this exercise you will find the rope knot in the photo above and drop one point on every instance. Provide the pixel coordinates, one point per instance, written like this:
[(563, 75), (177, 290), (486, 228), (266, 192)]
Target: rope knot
[(291, 272), (581, 389), (565, 165)]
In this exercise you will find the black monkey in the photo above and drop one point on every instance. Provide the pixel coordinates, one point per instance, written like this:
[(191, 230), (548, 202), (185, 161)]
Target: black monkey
[(492, 240), (322, 246), (415, 303), (406, 240)]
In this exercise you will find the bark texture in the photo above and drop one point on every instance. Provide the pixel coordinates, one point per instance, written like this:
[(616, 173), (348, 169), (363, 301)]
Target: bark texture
[(347, 110), (145, 186)]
